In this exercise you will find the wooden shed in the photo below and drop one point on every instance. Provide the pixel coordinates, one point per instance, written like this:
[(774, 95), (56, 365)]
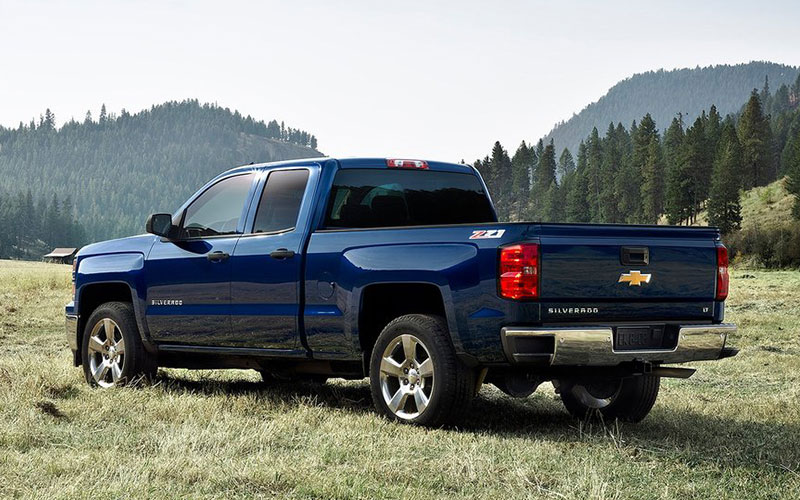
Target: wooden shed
[(61, 256)]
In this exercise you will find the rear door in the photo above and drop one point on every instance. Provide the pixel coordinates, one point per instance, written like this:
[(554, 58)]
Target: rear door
[(266, 265), (189, 279)]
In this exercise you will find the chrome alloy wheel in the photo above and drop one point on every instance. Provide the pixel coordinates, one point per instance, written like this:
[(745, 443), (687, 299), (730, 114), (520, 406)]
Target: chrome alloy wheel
[(406, 376), (597, 395), (106, 352)]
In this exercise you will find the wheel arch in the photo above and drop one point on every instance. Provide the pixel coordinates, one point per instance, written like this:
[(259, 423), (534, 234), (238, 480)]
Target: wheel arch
[(91, 295), (379, 305)]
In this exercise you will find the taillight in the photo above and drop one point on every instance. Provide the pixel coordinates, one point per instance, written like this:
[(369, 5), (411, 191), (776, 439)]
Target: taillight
[(723, 278), (407, 164), (519, 271)]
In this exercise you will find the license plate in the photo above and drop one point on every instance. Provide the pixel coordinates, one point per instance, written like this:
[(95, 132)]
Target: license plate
[(638, 338)]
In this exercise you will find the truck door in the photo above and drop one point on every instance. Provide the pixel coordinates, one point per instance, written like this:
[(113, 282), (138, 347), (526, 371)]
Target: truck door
[(189, 278), (266, 265)]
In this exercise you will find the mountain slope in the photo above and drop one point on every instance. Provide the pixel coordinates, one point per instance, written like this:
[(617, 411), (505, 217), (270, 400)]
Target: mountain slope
[(121, 168), (663, 94)]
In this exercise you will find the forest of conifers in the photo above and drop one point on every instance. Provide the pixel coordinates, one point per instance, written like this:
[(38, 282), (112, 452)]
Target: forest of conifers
[(638, 175)]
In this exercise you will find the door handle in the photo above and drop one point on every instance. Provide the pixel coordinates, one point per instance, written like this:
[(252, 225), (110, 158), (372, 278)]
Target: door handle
[(217, 256), (282, 253)]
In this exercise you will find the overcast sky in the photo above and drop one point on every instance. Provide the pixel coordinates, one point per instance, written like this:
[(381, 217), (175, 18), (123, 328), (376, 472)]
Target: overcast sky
[(434, 80)]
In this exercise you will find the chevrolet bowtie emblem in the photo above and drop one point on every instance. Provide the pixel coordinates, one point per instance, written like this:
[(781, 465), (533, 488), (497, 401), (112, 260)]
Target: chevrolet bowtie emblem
[(634, 278)]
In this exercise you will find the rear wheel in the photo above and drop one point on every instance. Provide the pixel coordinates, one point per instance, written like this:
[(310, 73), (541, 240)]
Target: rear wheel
[(415, 375), (628, 399), (113, 354)]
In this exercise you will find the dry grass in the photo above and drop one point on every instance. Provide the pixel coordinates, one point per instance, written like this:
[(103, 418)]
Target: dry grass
[(732, 431)]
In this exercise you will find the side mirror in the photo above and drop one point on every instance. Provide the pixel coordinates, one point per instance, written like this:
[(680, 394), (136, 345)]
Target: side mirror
[(160, 225)]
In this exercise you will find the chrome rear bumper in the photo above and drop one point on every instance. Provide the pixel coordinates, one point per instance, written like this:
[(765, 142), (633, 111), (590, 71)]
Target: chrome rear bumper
[(594, 346)]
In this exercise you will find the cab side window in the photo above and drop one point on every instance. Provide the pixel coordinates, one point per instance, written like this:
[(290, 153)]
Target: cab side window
[(280, 201), (217, 211)]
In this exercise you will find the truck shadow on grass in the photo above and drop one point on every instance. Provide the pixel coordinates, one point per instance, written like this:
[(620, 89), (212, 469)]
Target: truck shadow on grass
[(687, 436)]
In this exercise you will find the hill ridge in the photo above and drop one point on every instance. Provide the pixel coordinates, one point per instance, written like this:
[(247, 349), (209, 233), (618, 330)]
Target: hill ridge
[(664, 93), (120, 168)]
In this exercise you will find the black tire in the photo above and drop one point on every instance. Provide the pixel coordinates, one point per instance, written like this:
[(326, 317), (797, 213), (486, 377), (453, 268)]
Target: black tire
[(133, 362), (452, 384), (633, 400)]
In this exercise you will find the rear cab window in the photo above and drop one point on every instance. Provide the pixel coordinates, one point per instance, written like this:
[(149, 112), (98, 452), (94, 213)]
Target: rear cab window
[(374, 198)]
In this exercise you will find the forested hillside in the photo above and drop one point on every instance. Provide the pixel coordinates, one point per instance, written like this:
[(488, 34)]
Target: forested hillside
[(115, 170), (33, 227), (637, 174), (664, 94)]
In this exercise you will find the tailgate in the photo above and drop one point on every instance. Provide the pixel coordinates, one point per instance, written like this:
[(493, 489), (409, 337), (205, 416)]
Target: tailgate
[(627, 272)]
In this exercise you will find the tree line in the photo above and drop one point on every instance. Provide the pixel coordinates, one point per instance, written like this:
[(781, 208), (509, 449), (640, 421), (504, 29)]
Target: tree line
[(34, 226), (637, 175), (118, 168)]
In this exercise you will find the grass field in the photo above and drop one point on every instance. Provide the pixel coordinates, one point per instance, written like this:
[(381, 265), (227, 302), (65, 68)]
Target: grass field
[(731, 431)]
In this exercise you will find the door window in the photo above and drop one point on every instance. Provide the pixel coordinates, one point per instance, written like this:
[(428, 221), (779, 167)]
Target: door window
[(280, 201), (217, 211)]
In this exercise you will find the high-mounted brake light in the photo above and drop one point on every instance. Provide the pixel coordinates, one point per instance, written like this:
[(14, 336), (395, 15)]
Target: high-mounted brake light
[(407, 164), (518, 276), (723, 278)]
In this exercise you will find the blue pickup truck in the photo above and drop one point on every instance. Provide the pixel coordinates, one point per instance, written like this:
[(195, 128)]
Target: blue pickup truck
[(398, 270)]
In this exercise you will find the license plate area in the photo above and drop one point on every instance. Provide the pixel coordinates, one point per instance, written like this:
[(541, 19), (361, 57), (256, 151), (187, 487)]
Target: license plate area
[(645, 338)]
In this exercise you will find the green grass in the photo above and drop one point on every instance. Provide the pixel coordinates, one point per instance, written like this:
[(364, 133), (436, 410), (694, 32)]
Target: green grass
[(731, 431), (765, 207)]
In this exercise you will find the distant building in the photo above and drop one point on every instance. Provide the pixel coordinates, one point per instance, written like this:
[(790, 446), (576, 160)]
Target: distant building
[(61, 256)]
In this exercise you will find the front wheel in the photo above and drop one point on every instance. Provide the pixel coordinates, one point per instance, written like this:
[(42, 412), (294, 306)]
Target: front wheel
[(628, 399), (113, 354), (415, 375)]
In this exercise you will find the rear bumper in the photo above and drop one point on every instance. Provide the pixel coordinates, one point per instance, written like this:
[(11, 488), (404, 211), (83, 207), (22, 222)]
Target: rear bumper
[(594, 346)]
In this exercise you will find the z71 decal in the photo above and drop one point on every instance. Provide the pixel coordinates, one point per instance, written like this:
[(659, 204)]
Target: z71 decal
[(487, 234)]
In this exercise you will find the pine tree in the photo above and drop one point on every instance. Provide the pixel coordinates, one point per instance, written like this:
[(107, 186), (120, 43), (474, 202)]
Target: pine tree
[(724, 209), (49, 122), (615, 151), (697, 165), (51, 222), (520, 180), (544, 177), (676, 197), (765, 94), (576, 185), (103, 115), (501, 165), (554, 201), (566, 164), (713, 130), (594, 162), (755, 138), (653, 177)]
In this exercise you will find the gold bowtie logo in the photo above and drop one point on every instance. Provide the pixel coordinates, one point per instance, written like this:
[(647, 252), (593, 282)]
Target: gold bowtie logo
[(634, 278)]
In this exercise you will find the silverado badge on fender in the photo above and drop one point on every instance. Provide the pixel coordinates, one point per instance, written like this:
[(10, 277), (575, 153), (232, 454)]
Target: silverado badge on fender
[(634, 278)]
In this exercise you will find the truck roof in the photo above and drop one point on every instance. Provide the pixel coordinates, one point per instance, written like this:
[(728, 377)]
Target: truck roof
[(347, 163)]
